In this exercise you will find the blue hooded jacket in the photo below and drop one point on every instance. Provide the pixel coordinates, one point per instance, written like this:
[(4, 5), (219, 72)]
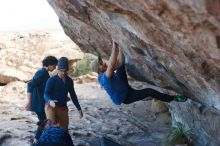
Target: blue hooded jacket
[(37, 86)]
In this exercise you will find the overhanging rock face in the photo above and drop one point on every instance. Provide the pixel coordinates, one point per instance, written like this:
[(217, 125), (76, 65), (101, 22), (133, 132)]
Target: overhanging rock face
[(171, 44)]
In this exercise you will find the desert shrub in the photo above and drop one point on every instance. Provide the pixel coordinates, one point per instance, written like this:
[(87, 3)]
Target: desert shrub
[(179, 135), (83, 66)]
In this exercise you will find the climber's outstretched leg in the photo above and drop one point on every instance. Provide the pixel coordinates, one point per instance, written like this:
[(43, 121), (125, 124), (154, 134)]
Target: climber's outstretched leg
[(136, 95)]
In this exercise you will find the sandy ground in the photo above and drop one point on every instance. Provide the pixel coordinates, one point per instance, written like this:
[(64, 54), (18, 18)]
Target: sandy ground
[(133, 124)]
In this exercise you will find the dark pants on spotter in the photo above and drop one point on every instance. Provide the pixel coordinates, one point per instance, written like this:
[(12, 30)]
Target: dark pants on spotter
[(41, 117)]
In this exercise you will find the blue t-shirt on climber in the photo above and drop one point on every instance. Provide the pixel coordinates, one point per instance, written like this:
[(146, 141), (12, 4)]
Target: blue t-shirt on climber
[(114, 86)]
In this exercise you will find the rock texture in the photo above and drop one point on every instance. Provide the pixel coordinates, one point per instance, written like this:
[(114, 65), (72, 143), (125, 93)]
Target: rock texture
[(171, 44), (22, 53)]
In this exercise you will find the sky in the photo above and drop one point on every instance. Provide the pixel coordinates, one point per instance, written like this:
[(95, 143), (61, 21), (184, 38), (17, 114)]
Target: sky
[(27, 15)]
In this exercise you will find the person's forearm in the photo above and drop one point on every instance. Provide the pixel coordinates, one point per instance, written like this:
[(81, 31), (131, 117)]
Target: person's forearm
[(29, 96), (76, 103), (75, 100), (112, 61), (113, 57), (28, 104), (120, 58)]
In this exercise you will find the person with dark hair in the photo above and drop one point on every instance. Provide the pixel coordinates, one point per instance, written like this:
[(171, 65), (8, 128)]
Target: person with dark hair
[(53, 135), (35, 89), (113, 79), (55, 95), (49, 61)]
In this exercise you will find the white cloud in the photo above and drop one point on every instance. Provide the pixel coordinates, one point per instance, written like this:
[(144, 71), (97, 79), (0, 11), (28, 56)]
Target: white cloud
[(26, 15)]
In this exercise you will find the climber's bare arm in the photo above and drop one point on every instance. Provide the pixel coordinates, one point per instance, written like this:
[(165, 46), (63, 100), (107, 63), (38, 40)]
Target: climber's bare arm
[(120, 58), (112, 60)]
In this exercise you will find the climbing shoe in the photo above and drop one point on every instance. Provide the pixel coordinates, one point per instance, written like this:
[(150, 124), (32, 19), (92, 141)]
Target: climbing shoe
[(180, 98)]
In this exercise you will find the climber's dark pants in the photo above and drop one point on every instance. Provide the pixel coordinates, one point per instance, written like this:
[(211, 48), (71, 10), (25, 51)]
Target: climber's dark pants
[(136, 95)]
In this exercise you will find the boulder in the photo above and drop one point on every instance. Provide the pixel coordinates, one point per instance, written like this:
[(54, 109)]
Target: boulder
[(173, 45)]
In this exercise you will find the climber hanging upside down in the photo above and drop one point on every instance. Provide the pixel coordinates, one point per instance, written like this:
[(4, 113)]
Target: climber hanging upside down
[(113, 79)]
